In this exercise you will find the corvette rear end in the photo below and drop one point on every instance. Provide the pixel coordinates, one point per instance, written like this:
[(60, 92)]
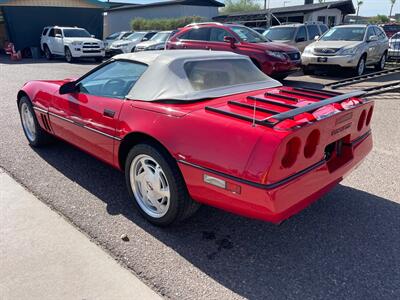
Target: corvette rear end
[(311, 140)]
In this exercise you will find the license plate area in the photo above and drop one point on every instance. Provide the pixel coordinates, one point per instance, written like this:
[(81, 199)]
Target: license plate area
[(322, 59), (338, 153)]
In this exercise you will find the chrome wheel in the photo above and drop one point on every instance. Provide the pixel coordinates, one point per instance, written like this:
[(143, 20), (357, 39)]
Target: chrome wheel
[(361, 67), (28, 122), (150, 186)]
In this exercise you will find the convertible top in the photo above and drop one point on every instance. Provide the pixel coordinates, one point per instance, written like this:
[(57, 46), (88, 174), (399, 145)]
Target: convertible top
[(166, 77)]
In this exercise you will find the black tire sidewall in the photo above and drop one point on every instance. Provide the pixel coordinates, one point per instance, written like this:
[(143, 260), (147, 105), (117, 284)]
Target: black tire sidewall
[(66, 57), (47, 53), (174, 183), (358, 65)]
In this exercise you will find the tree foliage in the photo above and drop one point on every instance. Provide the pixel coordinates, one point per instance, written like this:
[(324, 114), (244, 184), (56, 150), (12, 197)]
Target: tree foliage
[(232, 6), (379, 19), (163, 24)]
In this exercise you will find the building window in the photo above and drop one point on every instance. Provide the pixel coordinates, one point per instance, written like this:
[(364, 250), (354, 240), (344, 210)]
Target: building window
[(322, 19), (331, 21)]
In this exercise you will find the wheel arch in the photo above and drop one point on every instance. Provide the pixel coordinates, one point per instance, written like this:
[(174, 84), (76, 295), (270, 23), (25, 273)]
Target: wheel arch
[(134, 138), (21, 94)]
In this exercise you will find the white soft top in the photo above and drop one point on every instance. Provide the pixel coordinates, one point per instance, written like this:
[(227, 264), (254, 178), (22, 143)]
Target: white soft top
[(166, 79)]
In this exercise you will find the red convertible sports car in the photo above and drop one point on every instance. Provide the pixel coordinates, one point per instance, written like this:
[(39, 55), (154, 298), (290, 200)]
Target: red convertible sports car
[(194, 126)]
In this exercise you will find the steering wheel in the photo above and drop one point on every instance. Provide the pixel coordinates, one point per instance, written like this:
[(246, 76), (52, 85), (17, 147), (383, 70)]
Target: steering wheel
[(113, 87)]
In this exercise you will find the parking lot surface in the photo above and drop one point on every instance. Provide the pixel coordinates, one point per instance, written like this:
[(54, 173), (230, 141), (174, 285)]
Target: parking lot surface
[(345, 246)]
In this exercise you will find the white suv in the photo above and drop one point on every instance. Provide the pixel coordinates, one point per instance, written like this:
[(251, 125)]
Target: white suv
[(70, 42)]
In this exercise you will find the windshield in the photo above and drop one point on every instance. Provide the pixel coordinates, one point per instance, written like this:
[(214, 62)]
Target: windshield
[(280, 33), (344, 34), (160, 37), (136, 36), (249, 35), (211, 74), (76, 33)]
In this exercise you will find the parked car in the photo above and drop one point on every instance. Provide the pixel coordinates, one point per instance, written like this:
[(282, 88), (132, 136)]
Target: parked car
[(348, 46), (274, 59), (394, 47), (157, 42), (71, 43), (298, 35), (128, 44), (390, 28), (116, 36), (212, 129)]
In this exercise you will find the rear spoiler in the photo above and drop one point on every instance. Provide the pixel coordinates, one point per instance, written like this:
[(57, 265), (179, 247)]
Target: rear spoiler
[(290, 114)]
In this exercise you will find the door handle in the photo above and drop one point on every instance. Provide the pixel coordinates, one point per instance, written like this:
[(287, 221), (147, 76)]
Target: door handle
[(109, 113)]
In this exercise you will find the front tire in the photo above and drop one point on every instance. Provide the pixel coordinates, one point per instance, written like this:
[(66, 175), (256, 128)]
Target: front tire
[(156, 185), (360, 69), (68, 55), (381, 64), (34, 133)]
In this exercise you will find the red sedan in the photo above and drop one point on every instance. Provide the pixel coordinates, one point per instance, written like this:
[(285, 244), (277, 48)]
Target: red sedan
[(191, 126)]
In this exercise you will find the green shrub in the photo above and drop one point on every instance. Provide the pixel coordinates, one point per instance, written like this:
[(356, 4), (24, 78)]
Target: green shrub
[(163, 24)]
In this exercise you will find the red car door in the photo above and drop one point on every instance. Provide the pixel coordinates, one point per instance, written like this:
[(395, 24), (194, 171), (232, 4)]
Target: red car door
[(87, 121), (88, 116)]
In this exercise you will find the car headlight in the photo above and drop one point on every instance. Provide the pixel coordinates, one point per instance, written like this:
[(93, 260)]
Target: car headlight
[(349, 51), (76, 43), (277, 54), (308, 50)]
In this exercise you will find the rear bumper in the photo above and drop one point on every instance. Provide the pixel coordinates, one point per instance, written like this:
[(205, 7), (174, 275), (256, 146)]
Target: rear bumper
[(274, 202), (394, 54)]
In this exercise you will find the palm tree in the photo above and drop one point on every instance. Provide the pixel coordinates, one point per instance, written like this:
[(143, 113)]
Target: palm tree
[(359, 3), (391, 7)]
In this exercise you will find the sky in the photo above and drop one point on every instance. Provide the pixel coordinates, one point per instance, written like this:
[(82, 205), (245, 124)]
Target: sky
[(369, 8)]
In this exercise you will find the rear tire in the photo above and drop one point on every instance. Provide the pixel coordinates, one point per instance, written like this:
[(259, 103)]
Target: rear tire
[(35, 135), (156, 185), (47, 52)]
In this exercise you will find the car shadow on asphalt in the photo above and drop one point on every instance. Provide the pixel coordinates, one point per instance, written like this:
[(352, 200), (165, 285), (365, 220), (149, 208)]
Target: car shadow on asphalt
[(4, 59), (346, 245)]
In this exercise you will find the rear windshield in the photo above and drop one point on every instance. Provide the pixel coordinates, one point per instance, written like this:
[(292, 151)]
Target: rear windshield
[(280, 33), (76, 33), (211, 74), (344, 34)]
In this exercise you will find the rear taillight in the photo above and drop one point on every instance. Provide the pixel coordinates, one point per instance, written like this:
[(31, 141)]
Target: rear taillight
[(291, 153), (311, 143), (369, 116), (361, 120)]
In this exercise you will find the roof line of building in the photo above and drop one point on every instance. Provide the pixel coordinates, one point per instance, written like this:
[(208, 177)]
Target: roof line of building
[(213, 3), (94, 2)]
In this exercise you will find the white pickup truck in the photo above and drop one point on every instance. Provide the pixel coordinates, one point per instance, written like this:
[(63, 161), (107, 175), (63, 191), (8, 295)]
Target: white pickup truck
[(71, 43)]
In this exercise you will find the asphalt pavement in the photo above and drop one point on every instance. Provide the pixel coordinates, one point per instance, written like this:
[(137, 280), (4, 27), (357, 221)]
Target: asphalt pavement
[(344, 246)]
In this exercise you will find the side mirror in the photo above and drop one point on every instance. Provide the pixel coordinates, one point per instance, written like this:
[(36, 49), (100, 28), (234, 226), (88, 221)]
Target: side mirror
[(92, 35), (373, 38), (230, 40), (68, 88), (316, 37), (59, 36), (145, 39)]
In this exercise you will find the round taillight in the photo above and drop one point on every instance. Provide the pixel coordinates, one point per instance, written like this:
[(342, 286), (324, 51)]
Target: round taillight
[(369, 116), (311, 143), (291, 152), (361, 120)]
